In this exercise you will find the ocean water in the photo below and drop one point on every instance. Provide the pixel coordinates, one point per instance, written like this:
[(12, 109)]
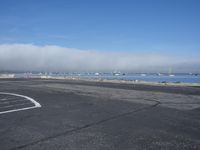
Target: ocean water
[(148, 78), (182, 78)]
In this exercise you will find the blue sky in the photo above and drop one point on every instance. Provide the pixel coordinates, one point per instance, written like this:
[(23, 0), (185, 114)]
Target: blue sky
[(142, 26)]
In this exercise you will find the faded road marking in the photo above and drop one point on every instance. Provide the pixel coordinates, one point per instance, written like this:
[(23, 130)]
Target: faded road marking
[(18, 106)]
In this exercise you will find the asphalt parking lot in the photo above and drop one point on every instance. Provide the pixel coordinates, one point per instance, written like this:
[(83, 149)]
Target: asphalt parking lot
[(94, 116)]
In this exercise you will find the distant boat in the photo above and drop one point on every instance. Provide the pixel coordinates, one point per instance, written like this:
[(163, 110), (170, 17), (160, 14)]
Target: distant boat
[(143, 75), (170, 73), (96, 74), (115, 73)]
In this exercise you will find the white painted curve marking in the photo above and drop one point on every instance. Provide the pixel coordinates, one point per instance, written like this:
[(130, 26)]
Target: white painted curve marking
[(20, 109)]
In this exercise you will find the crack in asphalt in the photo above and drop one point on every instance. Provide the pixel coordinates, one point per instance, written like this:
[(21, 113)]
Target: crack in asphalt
[(157, 102), (93, 124), (178, 103), (86, 126), (78, 129)]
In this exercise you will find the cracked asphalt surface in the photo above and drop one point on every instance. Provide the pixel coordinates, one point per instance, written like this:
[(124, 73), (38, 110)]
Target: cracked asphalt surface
[(79, 115)]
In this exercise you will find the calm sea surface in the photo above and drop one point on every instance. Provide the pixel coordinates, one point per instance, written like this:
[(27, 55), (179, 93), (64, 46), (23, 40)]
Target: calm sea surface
[(183, 78), (150, 78)]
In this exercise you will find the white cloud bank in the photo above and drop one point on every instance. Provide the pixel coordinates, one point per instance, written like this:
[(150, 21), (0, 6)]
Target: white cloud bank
[(28, 57)]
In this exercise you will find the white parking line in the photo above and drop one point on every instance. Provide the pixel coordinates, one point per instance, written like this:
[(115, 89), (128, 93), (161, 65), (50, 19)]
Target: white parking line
[(20, 109)]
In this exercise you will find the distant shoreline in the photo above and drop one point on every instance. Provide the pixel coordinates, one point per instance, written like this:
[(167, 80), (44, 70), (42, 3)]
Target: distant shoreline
[(111, 81), (124, 81)]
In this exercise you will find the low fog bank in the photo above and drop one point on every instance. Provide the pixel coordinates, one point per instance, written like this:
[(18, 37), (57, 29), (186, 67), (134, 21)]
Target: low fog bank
[(28, 57)]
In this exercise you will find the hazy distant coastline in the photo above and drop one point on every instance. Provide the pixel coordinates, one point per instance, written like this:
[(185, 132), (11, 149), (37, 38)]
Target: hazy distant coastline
[(127, 78)]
